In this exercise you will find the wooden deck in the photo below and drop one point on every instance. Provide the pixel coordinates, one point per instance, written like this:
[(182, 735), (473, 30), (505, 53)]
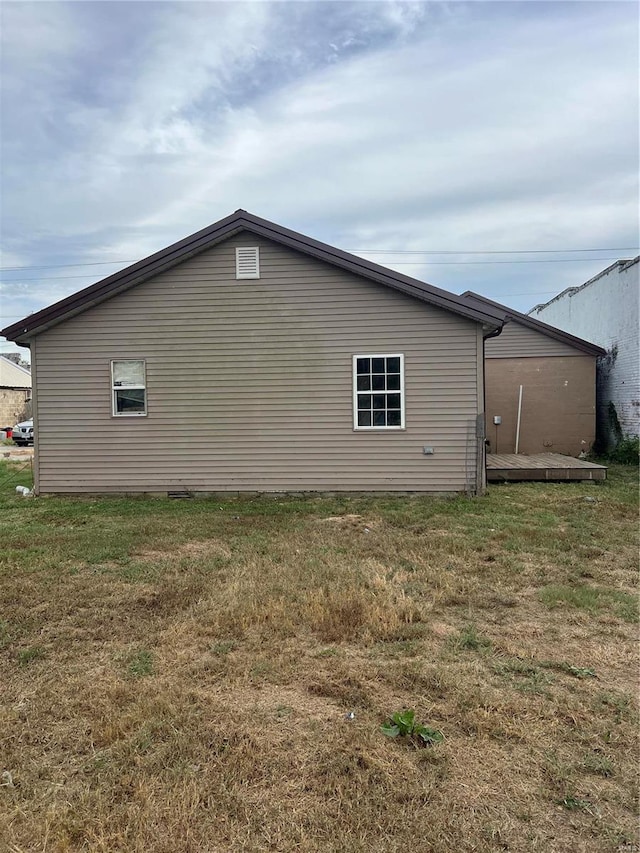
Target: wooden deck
[(541, 466)]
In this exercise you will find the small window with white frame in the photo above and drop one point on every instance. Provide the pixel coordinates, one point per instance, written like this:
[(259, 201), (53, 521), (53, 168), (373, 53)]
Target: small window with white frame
[(128, 387), (378, 391)]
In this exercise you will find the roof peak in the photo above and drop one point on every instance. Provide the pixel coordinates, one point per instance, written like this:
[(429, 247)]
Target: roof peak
[(218, 232)]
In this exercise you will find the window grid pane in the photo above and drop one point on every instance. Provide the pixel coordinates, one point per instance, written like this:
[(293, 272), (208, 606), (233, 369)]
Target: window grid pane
[(382, 375), (393, 382)]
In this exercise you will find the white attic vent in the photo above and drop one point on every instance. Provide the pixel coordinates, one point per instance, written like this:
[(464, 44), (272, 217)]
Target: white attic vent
[(247, 262)]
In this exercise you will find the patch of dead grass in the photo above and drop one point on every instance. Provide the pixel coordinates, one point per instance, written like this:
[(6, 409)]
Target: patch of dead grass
[(196, 549), (266, 622)]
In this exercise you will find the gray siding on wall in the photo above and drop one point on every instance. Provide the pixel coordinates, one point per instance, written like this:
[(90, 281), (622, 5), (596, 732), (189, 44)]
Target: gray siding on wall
[(249, 384), (518, 341)]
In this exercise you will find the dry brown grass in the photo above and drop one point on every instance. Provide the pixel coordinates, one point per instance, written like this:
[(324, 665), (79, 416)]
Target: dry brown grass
[(175, 675)]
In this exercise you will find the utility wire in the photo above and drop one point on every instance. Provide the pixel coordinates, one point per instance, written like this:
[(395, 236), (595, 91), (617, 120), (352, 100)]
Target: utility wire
[(371, 251), (97, 264), (44, 278), (464, 263), (395, 264), (493, 251)]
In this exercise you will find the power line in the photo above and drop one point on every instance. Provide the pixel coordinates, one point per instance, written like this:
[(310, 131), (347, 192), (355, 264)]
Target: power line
[(493, 251), (395, 264), (43, 278), (544, 261), (370, 251), (464, 263), (90, 264)]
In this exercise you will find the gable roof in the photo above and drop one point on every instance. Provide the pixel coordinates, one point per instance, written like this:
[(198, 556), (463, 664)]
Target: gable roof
[(510, 314), (12, 375), (239, 221)]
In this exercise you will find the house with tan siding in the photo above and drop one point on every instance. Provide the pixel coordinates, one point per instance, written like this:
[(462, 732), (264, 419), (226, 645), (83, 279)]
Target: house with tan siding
[(15, 392), (251, 358), (549, 375)]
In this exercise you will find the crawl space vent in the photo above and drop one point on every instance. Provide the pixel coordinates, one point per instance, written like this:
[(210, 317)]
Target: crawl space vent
[(247, 262)]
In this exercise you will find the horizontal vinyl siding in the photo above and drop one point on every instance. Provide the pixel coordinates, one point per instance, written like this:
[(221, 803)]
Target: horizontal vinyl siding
[(249, 384), (517, 341)]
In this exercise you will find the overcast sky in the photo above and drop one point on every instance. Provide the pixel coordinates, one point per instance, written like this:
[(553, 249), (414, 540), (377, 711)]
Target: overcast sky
[(454, 127)]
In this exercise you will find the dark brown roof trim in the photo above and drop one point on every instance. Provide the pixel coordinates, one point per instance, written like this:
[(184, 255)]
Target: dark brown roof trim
[(537, 325), (206, 238)]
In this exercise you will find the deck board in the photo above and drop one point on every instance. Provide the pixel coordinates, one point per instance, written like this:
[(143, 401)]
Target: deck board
[(541, 466)]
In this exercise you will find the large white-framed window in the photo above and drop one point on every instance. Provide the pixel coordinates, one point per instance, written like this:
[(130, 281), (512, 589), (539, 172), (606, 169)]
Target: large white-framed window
[(378, 391), (128, 387)]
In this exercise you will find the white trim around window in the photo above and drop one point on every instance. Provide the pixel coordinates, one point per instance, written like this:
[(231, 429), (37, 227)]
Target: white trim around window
[(128, 388), (378, 391)]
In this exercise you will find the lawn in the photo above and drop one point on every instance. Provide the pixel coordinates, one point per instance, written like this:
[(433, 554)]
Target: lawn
[(213, 674)]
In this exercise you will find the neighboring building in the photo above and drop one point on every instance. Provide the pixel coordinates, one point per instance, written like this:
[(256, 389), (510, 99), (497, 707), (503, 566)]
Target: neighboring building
[(15, 392), (605, 310), (557, 372), (248, 357)]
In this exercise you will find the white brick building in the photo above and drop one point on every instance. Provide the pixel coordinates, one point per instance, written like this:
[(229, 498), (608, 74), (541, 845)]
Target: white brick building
[(605, 311)]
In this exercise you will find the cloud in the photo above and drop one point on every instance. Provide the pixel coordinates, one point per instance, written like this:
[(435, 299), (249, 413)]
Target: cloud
[(386, 125)]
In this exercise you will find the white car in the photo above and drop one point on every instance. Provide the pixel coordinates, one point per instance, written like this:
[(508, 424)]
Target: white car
[(23, 433)]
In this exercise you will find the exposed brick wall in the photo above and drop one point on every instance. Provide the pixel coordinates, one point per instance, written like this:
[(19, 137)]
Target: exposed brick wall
[(13, 406)]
